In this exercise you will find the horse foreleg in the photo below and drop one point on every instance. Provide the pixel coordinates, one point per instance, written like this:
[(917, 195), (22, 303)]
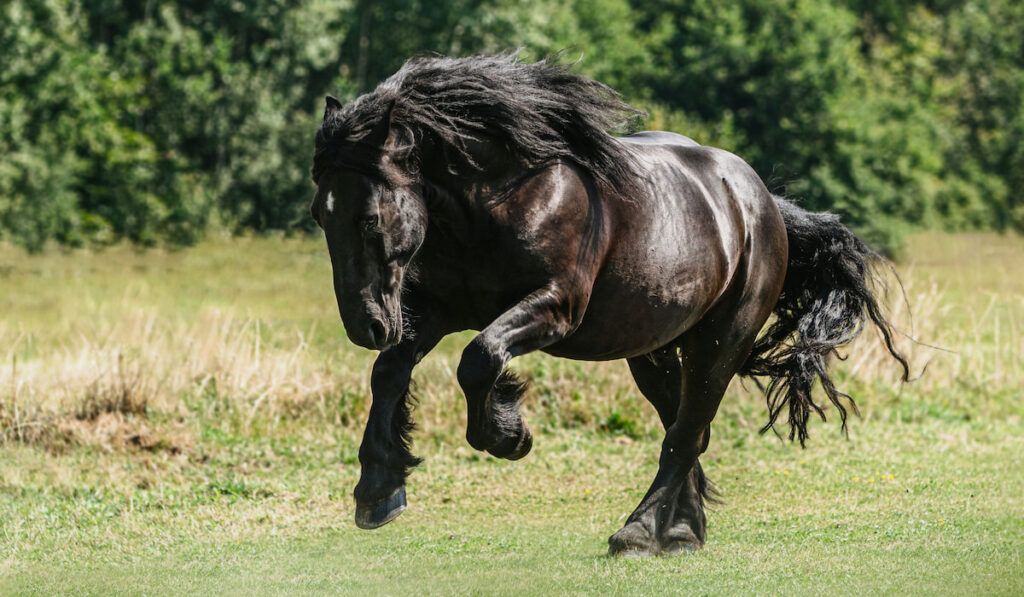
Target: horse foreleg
[(492, 394), (384, 454), (659, 375)]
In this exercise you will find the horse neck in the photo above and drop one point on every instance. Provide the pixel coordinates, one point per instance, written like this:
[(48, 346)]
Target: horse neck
[(495, 171), (458, 203)]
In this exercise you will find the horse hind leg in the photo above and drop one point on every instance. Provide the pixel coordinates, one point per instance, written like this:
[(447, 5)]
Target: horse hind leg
[(659, 376), (670, 518), (688, 528)]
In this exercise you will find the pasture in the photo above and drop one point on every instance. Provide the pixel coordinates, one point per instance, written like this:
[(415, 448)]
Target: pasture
[(188, 422)]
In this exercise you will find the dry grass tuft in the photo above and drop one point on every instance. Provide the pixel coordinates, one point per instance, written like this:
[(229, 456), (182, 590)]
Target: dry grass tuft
[(113, 361), (112, 431), (957, 338), (101, 391)]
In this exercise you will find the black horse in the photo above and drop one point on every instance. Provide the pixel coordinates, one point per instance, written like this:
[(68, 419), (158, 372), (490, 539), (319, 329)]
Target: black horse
[(485, 193)]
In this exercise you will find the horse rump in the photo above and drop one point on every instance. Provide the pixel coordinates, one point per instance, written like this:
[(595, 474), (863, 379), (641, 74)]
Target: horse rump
[(830, 291)]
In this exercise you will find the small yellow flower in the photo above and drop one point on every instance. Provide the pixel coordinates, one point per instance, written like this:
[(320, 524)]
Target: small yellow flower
[(776, 471), (586, 491), (855, 478), (785, 472), (871, 480)]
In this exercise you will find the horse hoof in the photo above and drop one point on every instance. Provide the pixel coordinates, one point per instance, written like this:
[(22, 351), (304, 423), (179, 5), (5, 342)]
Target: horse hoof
[(681, 538), (513, 448), (373, 516), (632, 541)]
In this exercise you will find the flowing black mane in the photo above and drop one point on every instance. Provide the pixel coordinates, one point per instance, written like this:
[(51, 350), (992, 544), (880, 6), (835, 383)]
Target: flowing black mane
[(540, 112)]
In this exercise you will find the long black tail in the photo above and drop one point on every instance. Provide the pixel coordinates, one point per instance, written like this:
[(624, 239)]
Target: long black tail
[(828, 294)]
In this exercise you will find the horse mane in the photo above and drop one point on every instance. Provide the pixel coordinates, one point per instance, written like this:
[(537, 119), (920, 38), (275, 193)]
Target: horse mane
[(539, 112)]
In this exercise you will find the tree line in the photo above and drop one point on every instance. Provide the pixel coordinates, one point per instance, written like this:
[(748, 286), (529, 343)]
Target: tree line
[(156, 121)]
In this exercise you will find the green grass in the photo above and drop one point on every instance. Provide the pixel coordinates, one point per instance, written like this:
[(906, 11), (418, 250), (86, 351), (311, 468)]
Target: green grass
[(233, 472)]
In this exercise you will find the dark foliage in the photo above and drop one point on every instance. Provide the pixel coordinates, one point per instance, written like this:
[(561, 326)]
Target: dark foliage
[(153, 122)]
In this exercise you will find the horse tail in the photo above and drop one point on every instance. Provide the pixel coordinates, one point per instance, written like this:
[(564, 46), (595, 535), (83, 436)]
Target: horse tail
[(829, 292)]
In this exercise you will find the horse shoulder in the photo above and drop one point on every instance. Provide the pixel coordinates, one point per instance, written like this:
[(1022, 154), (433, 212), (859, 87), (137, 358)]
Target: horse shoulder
[(547, 232), (556, 203)]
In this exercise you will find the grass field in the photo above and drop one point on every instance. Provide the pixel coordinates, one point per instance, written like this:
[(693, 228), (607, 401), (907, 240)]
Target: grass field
[(188, 422)]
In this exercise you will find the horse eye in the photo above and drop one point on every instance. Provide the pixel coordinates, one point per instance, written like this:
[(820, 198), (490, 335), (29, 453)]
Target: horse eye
[(369, 223)]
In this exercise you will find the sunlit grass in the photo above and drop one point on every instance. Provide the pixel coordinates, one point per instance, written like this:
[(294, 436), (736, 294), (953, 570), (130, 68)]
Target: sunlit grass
[(189, 421)]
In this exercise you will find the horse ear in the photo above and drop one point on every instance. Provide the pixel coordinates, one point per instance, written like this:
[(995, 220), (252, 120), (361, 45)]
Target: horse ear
[(333, 107), (379, 135)]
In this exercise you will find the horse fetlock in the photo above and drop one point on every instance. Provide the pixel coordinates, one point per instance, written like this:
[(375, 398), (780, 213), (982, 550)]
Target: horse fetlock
[(501, 441), (377, 482), (478, 369), (478, 439), (514, 447)]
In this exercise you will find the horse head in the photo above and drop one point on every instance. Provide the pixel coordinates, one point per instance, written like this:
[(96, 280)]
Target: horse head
[(374, 218)]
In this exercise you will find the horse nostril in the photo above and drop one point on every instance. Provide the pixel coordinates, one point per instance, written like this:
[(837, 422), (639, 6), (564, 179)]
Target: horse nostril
[(378, 332)]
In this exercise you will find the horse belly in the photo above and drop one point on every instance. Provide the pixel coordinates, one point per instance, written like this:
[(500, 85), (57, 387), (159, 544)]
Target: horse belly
[(646, 301), (635, 332)]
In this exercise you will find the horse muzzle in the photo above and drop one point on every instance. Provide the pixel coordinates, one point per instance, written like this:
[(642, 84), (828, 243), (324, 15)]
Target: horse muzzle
[(373, 332)]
